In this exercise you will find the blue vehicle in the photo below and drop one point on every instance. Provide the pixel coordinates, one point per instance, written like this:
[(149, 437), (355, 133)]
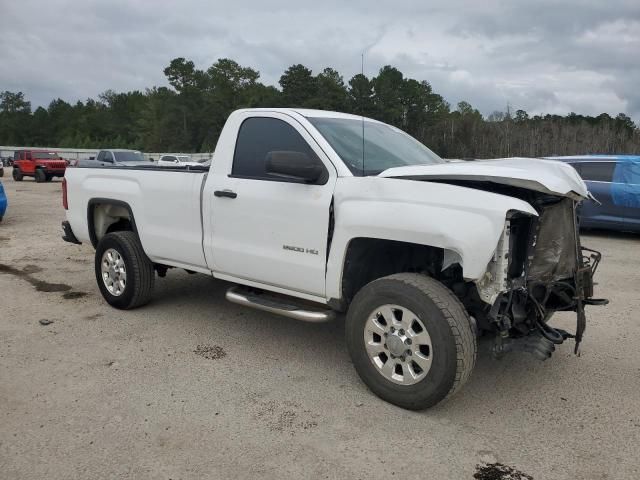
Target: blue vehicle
[(614, 180), (3, 201)]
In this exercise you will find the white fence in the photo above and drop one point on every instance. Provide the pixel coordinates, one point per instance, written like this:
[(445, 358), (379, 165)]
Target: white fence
[(84, 154)]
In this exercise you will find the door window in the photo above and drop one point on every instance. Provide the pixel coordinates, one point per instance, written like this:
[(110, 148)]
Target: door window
[(625, 190), (627, 172), (258, 136), (597, 171)]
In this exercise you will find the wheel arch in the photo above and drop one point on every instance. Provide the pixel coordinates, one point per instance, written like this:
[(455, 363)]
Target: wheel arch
[(367, 259), (106, 215)]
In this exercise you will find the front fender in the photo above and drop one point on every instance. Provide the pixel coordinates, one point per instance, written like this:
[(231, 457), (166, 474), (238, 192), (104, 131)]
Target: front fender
[(465, 221)]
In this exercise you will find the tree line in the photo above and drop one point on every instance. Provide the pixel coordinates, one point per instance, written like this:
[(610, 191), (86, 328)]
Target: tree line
[(188, 116)]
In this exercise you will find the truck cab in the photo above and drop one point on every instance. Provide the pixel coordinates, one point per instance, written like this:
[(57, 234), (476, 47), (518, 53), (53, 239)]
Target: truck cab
[(43, 165)]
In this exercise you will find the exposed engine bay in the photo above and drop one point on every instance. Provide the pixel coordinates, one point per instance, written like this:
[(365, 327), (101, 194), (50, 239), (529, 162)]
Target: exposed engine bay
[(548, 271), (539, 267)]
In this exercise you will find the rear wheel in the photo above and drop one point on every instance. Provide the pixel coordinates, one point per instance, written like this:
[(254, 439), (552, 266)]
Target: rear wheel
[(40, 176), (124, 273), (410, 340), (17, 175)]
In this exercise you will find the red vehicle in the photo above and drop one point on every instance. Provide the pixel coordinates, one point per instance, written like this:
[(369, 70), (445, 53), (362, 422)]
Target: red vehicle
[(40, 164)]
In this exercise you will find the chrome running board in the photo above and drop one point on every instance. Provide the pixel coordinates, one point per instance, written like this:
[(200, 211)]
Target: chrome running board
[(279, 305)]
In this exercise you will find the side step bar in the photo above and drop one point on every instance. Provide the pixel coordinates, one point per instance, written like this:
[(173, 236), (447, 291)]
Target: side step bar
[(279, 305)]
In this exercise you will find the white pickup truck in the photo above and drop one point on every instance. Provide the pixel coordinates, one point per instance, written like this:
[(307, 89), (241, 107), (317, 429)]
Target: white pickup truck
[(312, 213)]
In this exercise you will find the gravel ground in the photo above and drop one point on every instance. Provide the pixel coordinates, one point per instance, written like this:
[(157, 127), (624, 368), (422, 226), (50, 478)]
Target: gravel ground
[(191, 386)]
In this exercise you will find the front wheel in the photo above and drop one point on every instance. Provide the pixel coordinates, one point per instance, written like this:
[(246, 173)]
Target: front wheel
[(17, 175), (410, 340), (124, 273), (40, 176)]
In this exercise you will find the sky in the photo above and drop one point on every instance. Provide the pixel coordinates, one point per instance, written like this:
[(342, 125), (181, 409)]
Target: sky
[(578, 56)]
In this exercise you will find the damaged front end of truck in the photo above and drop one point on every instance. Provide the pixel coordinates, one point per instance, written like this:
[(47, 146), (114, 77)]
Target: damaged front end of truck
[(539, 268)]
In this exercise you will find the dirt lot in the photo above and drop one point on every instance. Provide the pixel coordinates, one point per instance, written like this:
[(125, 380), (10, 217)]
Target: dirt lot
[(192, 386)]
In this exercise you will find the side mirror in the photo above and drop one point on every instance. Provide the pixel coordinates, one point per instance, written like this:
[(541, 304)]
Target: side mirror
[(294, 165)]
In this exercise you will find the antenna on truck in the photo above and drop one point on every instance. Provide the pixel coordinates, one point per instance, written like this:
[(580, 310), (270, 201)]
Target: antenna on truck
[(362, 112)]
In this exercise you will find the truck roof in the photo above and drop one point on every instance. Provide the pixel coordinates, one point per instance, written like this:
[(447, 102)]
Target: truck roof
[(309, 112)]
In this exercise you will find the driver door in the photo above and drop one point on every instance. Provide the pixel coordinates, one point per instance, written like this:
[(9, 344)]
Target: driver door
[(29, 164), (268, 229)]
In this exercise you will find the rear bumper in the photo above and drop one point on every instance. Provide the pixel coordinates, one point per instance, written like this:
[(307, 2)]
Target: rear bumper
[(68, 235)]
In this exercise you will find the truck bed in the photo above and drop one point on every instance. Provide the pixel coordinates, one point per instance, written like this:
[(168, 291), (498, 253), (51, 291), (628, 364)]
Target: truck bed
[(165, 203)]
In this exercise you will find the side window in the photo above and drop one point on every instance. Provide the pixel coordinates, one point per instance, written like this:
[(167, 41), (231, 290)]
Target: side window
[(597, 171), (16, 155), (629, 173), (28, 156), (578, 167), (108, 157), (258, 136), (100, 156), (170, 158)]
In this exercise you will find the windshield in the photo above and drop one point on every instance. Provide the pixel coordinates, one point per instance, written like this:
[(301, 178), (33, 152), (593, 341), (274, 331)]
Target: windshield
[(129, 157), (384, 146), (45, 156)]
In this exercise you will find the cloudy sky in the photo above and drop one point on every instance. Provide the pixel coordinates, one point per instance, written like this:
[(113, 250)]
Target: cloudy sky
[(538, 55)]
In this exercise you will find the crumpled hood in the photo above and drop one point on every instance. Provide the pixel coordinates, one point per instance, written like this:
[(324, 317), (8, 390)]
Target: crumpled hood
[(546, 176)]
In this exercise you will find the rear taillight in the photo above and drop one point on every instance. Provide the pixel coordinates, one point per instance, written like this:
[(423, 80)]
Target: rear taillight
[(65, 204)]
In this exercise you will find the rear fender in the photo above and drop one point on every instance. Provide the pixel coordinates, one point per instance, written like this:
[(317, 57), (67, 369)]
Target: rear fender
[(104, 212)]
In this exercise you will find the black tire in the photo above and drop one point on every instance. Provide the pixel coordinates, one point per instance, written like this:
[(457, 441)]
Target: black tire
[(49, 178), (447, 323), (40, 176), (16, 174), (140, 279), (1, 172)]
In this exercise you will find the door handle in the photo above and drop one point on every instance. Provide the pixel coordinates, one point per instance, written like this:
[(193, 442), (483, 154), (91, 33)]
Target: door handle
[(225, 193)]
